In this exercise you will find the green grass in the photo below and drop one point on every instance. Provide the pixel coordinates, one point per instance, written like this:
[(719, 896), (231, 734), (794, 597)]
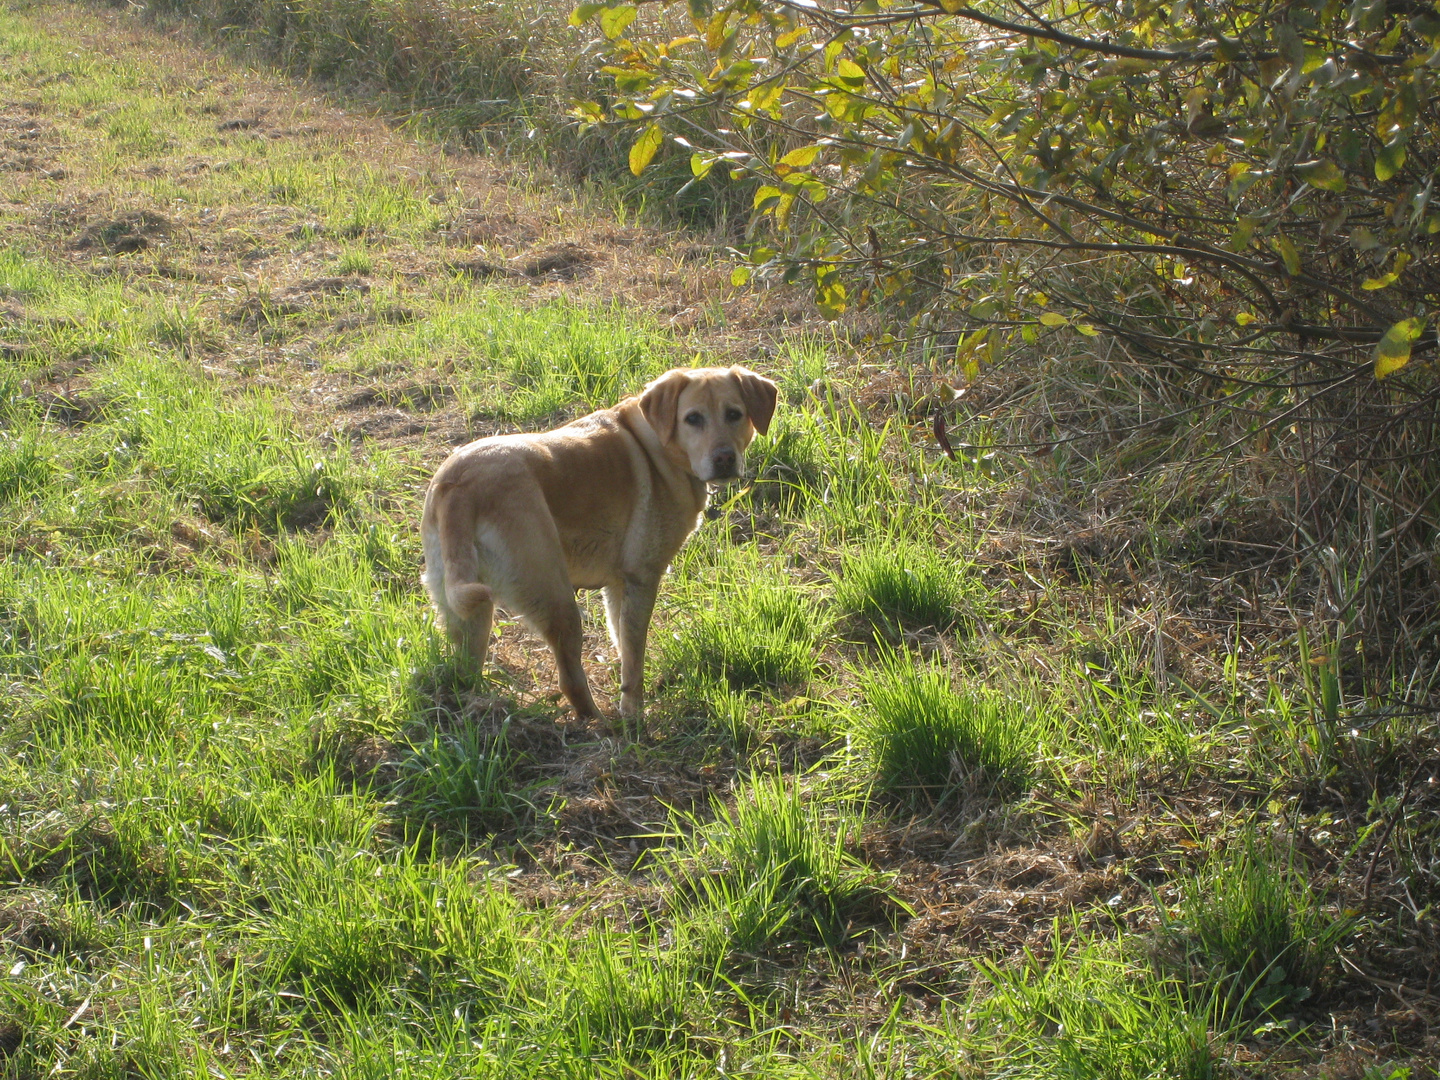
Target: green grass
[(903, 584), (761, 634), (1249, 929), (776, 866), (1090, 1013), (254, 821), (924, 738)]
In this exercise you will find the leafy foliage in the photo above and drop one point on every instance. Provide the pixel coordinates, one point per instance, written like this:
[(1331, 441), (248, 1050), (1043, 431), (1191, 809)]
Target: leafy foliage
[(1284, 152)]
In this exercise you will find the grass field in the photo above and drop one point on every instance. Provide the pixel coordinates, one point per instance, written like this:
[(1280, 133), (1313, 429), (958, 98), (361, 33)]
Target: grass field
[(911, 799)]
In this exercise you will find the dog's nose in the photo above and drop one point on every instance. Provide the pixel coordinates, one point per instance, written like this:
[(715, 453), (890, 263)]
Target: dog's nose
[(723, 461)]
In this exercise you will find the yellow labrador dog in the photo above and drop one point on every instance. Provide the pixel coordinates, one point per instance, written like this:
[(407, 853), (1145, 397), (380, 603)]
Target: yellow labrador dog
[(523, 521)]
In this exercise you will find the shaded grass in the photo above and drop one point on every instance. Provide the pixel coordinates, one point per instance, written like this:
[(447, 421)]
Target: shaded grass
[(1249, 930)]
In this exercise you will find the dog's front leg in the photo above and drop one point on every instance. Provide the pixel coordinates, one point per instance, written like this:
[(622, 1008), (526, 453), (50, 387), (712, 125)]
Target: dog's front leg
[(628, 608)]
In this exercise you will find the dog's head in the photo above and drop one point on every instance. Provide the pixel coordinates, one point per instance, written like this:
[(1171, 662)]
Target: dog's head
[(710, 415)]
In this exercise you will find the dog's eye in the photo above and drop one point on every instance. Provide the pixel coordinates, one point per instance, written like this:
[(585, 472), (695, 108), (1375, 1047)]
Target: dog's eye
[(695, 419), (733, 415)]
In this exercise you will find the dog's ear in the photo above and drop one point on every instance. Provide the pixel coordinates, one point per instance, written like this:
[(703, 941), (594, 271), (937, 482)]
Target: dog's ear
[(759, 395), (660, 400)]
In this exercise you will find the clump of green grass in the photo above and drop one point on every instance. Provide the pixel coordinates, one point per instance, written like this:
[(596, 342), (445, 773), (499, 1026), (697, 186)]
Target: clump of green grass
[(924, 737), (24, 467), (1092, 1013), (763, 635), (774, 866), (626, 991), (1250, 928), (899, 583), (343, 924), (354, 260), (463, 778)]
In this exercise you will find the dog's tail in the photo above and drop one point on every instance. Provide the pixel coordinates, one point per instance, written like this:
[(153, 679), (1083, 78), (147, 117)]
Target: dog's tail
[(464, 594)]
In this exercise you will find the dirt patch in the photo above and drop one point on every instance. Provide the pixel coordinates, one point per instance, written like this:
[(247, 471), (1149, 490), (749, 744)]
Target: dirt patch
[(264, 308), (563, 263), (125, 234)]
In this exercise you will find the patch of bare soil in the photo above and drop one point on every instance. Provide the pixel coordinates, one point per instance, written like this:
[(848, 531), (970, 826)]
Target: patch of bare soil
[(123, 235)]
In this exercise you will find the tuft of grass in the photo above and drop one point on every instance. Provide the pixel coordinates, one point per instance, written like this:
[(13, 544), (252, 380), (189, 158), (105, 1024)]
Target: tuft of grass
[(344, 924), (463, 779), (764, 635), (1250, 928), (1091, 1013), (924, 737), (24, 467), (774, 867), (355, 260), (900, 583)]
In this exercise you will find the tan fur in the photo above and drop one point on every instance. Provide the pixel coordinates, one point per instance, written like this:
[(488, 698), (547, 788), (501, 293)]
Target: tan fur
[(523, 521)]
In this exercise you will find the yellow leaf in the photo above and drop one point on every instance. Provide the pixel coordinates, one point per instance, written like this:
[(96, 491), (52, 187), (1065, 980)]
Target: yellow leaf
[(1244, 318), (1087, 329), (850, 73), (613, 21), (1053, 318), (766, 197), (1288, 254), (799, 159), (1322, 174), (1392, 352), (784, 41), (739, 276), (715, 32), (1401, 260), (643, 151)]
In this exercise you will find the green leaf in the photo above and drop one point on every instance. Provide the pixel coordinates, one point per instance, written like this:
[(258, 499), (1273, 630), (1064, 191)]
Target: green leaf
[(613, 21), (1392, 352), (583, 12), (850, 73), (1288, 253), (740, 276), (699, 10), (1053, 318), (700, 165), (1389, 161), (766, 197), (1322, 174), (643, 151)]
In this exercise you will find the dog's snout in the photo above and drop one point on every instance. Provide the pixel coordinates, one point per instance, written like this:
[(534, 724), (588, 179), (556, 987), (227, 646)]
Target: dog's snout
[(723, 461)]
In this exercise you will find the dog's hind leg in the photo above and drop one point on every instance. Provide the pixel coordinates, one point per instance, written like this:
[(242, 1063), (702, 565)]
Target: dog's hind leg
[(467, 606), (559, 623)]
